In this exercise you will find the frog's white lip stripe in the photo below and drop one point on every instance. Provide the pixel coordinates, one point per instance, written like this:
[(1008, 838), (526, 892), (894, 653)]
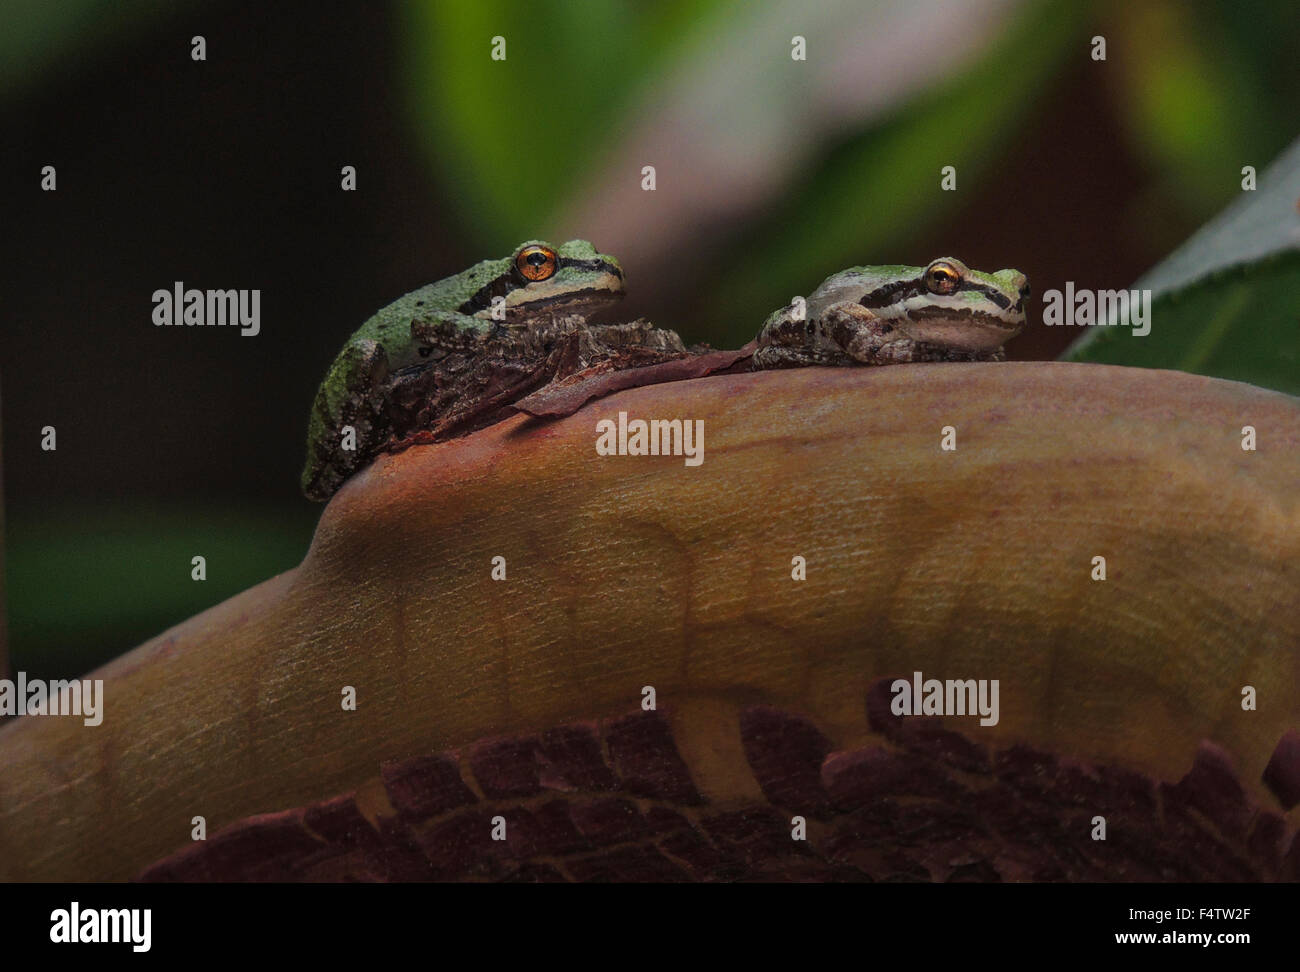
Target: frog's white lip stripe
[(587, 297), (512, 280), (963, 315)]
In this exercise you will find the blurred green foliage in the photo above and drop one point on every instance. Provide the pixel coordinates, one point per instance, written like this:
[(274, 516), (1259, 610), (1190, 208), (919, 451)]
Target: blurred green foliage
[(1206, 87)]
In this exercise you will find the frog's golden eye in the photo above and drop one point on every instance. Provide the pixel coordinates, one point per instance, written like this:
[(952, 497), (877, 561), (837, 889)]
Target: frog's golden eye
[(942, 278), (537, 262)]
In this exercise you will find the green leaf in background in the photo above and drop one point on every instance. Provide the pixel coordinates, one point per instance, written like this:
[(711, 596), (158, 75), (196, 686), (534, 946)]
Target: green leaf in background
[(1227, 302)]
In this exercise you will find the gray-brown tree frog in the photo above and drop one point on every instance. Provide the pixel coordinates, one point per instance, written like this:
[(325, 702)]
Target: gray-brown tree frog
[(893, 314)]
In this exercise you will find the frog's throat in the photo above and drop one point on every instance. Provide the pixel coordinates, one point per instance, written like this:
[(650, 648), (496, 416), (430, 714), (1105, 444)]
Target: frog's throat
[(966, 330)]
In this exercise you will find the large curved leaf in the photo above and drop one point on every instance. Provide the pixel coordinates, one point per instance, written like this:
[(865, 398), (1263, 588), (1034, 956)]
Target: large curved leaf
[(625, 572)]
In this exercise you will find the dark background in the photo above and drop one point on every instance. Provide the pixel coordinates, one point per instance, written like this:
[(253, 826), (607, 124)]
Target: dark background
[(225, 174)]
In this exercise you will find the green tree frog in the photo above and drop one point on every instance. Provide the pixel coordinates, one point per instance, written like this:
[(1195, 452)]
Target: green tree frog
[(464, 347)]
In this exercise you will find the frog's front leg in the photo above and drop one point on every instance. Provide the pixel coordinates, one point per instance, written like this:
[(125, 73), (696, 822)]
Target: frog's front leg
[(861, 337)]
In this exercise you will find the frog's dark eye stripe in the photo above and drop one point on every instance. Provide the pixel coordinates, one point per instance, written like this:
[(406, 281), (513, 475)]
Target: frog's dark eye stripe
[(901, 290), (592, 265), (992, 293), (892, 293), (511, 280)]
